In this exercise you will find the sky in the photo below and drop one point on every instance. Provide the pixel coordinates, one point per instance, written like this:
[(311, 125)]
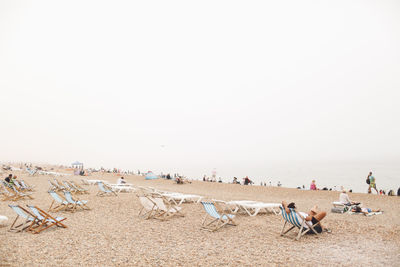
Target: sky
[(189, 86)]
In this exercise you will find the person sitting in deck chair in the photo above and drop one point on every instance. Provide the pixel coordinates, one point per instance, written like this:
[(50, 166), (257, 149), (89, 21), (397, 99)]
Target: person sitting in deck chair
[(313, 215), (121, 181), (344, 199)]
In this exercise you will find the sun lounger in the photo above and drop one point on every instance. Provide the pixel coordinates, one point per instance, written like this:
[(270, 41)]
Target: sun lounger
[(253, 209), (217, 220), (296, 221), (28, 219), (122, 187), (178, 198), (76, 203), (45, 220), (105, 190)]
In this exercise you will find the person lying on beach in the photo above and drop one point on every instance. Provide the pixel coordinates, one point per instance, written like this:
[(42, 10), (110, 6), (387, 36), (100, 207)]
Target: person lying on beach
[(365, 211), (344, 199), (314, 215)]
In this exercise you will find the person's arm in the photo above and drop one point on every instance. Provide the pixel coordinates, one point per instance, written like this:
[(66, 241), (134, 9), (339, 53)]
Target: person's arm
[(284, 205)]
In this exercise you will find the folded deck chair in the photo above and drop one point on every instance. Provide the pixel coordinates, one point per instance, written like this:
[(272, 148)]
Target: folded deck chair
[(149, 207), (166, 211), (105, 190), (297, 221), (76, 203), (59, 185), (28, 218), (45, 220), (217, 220), (58, 203)]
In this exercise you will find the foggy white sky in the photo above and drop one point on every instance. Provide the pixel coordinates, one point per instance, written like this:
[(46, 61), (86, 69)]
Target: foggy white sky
[(224, 84)]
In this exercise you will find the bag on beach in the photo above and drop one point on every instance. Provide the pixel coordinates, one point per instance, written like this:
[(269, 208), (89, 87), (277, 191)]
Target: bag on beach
[(338, 210), (368, 181)]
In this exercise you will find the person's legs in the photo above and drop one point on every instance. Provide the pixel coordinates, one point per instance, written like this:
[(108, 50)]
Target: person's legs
[(320, 215)]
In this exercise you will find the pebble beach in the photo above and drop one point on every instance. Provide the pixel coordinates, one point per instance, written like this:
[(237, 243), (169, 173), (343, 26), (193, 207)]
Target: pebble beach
[(112, 233)]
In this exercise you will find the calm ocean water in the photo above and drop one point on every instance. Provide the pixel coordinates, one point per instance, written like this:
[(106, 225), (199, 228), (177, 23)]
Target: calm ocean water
[(351, 175)]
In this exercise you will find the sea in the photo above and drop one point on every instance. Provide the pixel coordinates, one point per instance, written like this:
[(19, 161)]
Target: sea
[(334, 175)]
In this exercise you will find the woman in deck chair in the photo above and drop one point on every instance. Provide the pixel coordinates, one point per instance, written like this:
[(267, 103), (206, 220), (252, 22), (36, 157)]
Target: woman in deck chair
[(313, 215)]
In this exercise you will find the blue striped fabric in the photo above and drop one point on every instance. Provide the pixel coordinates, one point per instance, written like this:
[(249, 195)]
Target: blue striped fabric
[(291, 217), (57, 197), (210, 209)]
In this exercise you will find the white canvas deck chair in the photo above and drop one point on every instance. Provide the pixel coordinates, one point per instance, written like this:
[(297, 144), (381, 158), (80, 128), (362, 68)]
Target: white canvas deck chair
[(105, 190), (165, 212), (76, 203), (217, 220), (149, 207), (58, 203), (45, 220), (28, 218), (296, 221)]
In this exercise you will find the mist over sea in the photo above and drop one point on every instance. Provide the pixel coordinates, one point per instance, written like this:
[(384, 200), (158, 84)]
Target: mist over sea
[(330, 174)]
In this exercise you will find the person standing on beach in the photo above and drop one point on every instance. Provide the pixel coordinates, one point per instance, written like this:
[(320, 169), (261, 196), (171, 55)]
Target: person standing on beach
[(372, 183), (313, 186)]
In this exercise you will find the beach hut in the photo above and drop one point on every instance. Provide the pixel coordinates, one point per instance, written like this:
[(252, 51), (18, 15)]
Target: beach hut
[(151, 176), (77, 165)]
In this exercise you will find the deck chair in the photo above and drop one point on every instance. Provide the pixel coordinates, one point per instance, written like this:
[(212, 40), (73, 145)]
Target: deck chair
[(55, 187), (7, 193), (59, 202), (166, 211), (149, 207), (75, 203), (26, 186), (78, 188), (69, 188), (297, 221), (85, 182), (19, 194), (217, 220), (28, 219), (45, 220), (105, 190), (59, 185)]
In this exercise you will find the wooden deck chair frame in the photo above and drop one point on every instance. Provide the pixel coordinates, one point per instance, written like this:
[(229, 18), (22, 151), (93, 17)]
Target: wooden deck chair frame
[(75, 202), (30, 220), (62, 203), (149, 207), (217, 220), (292, 219), (165, 209), (45, 220), (105, 190), (78, 188)]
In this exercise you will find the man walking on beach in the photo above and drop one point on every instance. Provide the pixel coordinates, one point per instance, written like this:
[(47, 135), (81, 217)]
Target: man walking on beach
[(372, 183)]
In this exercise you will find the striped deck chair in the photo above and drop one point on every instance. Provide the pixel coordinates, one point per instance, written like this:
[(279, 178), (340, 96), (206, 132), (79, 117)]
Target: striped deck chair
[(217, 220), (29, 219), (45, 220), (297, 221), (76, 203), (105, 190)]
